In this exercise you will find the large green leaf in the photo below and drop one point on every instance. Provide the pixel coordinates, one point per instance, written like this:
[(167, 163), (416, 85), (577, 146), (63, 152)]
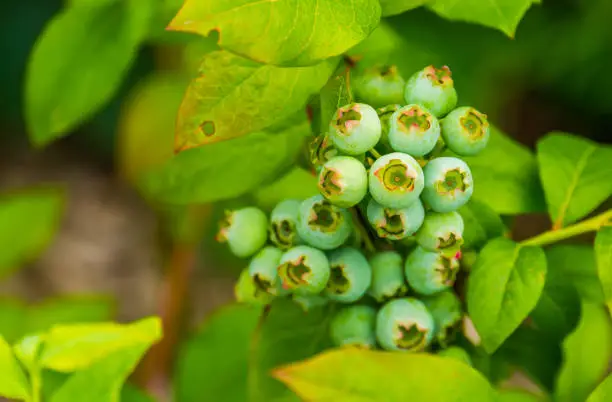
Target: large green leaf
[(393, 7), (78, 63), (506, 177), (297, 184), (284, 32), (575, 174), (504, 15), (28, 220), (13, 382), (603, 393), (481, 224), (518, 396), (358, 375), (234, 96), (577, 264), (587, 353), (334, 94), (69, 348), (504, 286), (603, 254), (226, 169)]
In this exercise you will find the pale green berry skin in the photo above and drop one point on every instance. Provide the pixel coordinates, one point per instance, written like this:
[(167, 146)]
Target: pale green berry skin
[(441, 232), (457, 353), (350, 277), (304, 270), (322, 224), (309, 302), (380, 85), (263, 270), (413, 130), (355, 128), (429, 272), (245, 231), (384, 114), (388, 279), (432, 88), (343, 181), (245, 291), (400, 316), (445, 308), (354, 326), (449, 184), (465, 131), (283, 224), (395, 224), (396, 180)]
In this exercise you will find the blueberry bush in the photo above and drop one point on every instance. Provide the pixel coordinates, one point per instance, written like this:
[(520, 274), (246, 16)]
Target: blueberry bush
[(366, 190)]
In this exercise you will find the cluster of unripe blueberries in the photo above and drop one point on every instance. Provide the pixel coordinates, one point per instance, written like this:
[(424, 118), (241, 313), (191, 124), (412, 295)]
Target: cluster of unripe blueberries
[(384, 189)]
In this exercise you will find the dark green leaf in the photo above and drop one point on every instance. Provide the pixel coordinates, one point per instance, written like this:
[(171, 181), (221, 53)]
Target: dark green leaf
[(575, 174), (506, 177), (334, 94), (13, 382), (577, 264), (226, 169), (28, 220), (234, 96), (504, 15), (603, 393), (603, 254), (393, 7), (297, 184), (284, 32), (587, 353), (352, 374), (78, 63), (130, 393), (481, 224), (504, 286)]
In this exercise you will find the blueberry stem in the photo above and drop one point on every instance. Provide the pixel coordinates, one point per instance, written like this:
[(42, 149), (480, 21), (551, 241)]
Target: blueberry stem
[(554, 236), (374, 153), (360, 223)]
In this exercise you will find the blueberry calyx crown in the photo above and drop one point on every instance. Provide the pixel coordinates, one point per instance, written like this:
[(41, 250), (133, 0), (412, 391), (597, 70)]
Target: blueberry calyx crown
[(447, 270), (338, 282), (262, 284), (294, 273), (454, 180), (393, 224), (282, 233), (395, 176), (348, 117), (439, 76), (450, 241), (474, 123), (414, 119), (410, 336), (329, 182), (321, 150), (325, 217), (224, 226)]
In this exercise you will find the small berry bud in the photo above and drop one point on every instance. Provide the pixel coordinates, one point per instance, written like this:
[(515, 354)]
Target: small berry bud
[(396, 180), (304, 270), (355, 326), (322, 224), (263, 270), (395, 224), (245, 290), (380, 85), (283, 224), (428, 272), (343, 181), (350, 275), (441, 232), (413, 130), (355, 128), (387, 276), (404, 325), (448, 184), (465, 131), (433, 88), (445, 309), (245, 231)]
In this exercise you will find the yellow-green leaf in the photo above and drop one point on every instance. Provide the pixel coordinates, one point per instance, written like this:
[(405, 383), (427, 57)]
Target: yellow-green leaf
[(603, 393), (13, 382), (603, 255)]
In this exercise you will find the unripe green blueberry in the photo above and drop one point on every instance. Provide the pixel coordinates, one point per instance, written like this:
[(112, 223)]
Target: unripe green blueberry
[(304, 270), (429, 272), (457, 353), (322, 224), (448, 184), (445, 309), (380, 85), (245, 231), (355, 326), (283, 224), (396, 180), (387, 276), (395, 224), (355, 128), (405, 325), (413, 130), (384, 114), (465, 131), (432, 88), (263, 270), (309, 302), (245, 290), (350, 277), (343, 181), (441, 232)]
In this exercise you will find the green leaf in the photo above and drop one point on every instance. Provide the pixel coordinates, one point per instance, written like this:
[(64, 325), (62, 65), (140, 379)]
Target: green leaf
[(78, 63), (379, 47), (297, 184), (130, 393), (603, 254), (13, 382), (365, 375), (393, 7), (481, 224), (234, 96), (28, 220), (27, 350), (226, 169), (283, 32), (577, 264), (215, 362), (504, 286), (603, 392), (575, 174), (517, 396), (73, 347), (334, 94), (506, 176), (504, 15), (587, 352)]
